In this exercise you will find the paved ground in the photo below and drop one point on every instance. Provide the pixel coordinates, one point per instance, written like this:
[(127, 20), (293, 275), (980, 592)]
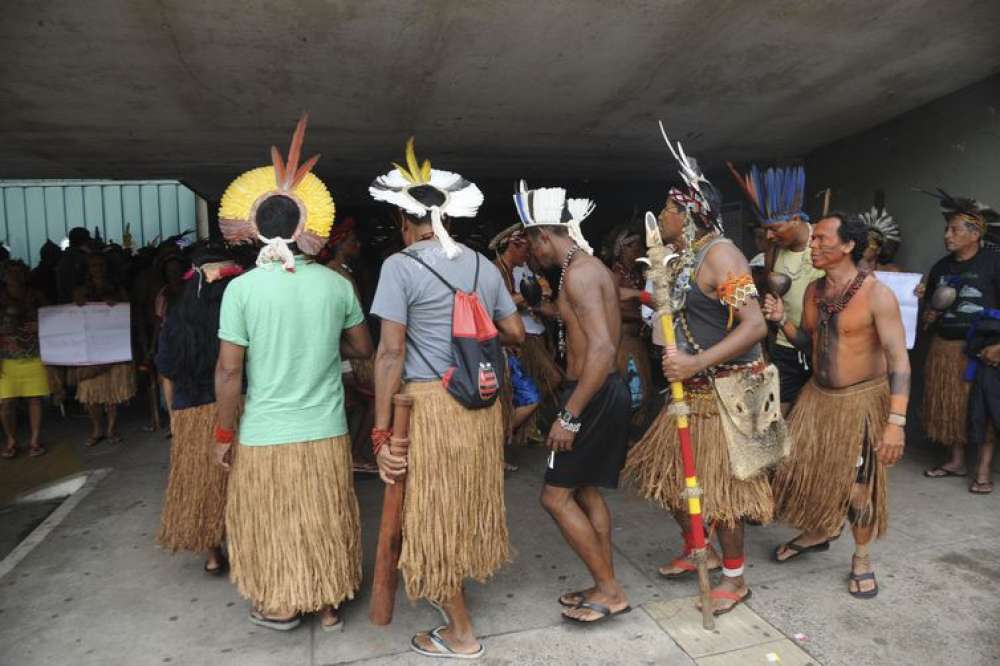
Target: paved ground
[(96, 590)]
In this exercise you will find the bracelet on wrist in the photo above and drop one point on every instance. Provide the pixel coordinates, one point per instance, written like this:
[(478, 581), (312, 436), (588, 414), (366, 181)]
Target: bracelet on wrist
[(897, 419), (569, 422), (380, 437), (224, 435)]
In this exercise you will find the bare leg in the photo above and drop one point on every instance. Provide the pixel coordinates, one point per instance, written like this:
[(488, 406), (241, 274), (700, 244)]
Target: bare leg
[(956, 463), (168, 397), (94, 412), (458, 634), (8, 414), (861, 562), (522, 414), (214, 560), (984, 470), (584, 539), (786, 407), (112, 421), (731, 540), (153, 398), (671, 569), (35, 418)]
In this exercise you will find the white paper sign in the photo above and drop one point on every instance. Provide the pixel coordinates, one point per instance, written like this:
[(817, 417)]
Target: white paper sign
[(93, 334), (903, 284)]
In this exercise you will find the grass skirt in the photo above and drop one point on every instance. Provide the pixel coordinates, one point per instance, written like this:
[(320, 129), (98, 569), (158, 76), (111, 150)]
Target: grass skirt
[(194, 506), (454, 518), (292, 525), (812, 488), (634, 347), (655, 469), (946, 395), (539, 364), (112, 387)]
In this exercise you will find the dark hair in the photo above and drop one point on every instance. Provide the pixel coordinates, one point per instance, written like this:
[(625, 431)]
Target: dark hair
[(278, 216), (554, 229), (78, 236), (851, 228), (193, 341), (427, 195)]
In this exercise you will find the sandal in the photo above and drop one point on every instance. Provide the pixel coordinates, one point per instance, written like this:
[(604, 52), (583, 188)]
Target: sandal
[(857, 578), (115, 440), (685, 567), (94, 441), (981, 487), (442, 650), (36, 451), (798, 550), (603, 612), (9, 452), (261, 620), (716, 595), (565, 602), (941, 472)]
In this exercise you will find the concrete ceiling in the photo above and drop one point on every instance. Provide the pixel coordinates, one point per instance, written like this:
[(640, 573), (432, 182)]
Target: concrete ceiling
[(553, 89)]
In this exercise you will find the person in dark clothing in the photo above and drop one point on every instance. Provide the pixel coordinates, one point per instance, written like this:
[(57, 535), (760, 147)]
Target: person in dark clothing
[(44, 275), (72, 269)]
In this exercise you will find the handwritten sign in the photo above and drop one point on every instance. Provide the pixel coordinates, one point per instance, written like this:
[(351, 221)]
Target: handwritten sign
[(903, 284), (93, 334)]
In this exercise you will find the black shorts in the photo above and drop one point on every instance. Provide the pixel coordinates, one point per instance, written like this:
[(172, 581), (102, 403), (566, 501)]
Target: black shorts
[(599, 448), (792, 372), (984, 404)]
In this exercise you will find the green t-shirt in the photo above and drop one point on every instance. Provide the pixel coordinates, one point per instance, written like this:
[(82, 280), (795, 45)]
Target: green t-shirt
[(291, 325)]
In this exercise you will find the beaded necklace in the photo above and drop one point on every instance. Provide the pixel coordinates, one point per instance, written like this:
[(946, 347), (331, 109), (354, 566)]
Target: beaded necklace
[(830, 307), (562, 278)]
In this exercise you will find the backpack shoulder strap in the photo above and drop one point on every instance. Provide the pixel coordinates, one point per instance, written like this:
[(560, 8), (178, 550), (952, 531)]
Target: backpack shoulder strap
[(475, 280), (434, 272)]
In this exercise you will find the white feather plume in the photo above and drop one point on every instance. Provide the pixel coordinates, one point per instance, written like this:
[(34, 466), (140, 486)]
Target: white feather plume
[(882, 222), (579, 210), (547, 205)]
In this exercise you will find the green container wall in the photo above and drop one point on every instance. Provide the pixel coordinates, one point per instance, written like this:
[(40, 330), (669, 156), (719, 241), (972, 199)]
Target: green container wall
[(33, 211)]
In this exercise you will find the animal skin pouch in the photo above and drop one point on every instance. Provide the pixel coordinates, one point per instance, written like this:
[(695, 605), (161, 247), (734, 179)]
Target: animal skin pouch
[(750, 410)]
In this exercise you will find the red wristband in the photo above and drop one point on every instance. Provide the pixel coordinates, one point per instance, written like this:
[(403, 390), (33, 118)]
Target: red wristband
[(380, 437), (646, 299), (224, 435)]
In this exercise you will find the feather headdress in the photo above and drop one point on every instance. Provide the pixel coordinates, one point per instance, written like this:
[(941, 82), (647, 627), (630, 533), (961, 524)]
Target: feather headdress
[(701, 199), (776, 195), (985, 215), (243, 197), (882, 224), (548, 206), (418, 190)]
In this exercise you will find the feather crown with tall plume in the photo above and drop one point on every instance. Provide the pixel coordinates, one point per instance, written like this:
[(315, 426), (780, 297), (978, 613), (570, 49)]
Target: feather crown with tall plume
[(951, 205), (419, 190), (701, 199), (776, 195), (880, 222), (548, 206), (241, 200)]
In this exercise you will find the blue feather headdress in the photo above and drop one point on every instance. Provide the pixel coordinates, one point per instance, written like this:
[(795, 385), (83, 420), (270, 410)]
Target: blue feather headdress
[(777, 195)]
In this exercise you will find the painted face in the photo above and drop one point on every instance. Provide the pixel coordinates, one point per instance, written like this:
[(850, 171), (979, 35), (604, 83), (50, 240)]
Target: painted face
[(671, 220), (783, 233), (960, 234), (826, 247)]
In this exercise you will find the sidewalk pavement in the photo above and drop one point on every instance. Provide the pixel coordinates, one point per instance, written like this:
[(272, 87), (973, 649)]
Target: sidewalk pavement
[(98, 591)]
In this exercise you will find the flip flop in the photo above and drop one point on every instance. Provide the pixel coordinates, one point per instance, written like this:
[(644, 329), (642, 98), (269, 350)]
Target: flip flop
[(798, 550), (686, 568), (567, 604), (981, 487), (36, 451), (94, 441), (333, 628), (728, 596), (603, 611), (440, 609), (9, 452), (859, 594), (219, 570), (443, 651), (261, 620), (941, 473)]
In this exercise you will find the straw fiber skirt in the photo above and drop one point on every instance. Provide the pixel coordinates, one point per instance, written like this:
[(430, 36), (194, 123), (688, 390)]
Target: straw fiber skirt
[(946, 395), (454, 518), (292, 525), (655, 469), (112, 387), (194, 507)]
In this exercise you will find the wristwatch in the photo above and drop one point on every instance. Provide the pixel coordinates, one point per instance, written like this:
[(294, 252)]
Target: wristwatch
[(569, 422)]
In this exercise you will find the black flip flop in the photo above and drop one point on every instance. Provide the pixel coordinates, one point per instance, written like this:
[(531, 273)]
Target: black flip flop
[(944, 473), (981, 487), (600, 609), (565, 604), (799, 550), (869, 594)]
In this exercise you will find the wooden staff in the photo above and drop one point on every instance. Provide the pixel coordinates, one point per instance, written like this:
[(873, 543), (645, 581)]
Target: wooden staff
[(390, 532), (657, 258)]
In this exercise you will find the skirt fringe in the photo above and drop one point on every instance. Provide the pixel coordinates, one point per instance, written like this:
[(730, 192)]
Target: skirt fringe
[(539, 364), (292, 524), (454, 517), (813, 487), (194, 506), (946, 394), (655, 470), (112, 387)]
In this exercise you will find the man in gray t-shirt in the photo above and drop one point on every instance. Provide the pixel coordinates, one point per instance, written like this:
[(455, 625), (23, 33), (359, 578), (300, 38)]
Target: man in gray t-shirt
[(411, 295)]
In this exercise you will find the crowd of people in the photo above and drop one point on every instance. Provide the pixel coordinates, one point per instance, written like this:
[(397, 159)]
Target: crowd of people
[(793, 367)]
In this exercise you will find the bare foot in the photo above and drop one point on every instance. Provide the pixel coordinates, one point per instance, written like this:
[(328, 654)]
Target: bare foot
[(616, 602), (328, 618)]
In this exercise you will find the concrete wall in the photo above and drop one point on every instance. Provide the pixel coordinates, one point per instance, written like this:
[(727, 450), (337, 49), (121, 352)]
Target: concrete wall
[(952, 143)]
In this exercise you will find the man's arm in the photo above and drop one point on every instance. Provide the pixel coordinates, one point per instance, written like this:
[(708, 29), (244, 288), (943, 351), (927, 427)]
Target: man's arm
[(228, 387), (889, 326), (586, 296), (389, 362), (774, 311), (511, 330), (356, 342)]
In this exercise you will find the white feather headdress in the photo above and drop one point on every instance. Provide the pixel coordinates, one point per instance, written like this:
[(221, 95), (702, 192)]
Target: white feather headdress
[(882, 223), (548, 206), (418, 190)]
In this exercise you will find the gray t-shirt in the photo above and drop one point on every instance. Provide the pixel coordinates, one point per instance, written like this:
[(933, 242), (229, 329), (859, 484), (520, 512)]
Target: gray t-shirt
[(411, 295)]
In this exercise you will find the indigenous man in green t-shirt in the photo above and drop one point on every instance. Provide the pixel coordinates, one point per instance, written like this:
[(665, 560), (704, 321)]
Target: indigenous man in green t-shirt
[(291, 515)]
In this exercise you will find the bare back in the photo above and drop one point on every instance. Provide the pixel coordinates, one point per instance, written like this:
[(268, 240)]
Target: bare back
[(589, 307)]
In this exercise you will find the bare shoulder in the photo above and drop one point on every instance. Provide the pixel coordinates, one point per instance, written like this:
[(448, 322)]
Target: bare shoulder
[(881, 296)]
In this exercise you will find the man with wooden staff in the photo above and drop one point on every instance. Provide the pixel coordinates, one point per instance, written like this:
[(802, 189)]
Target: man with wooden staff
[(848, 425), (719, 327), (454, 522), (291, 512), (589, 438)]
